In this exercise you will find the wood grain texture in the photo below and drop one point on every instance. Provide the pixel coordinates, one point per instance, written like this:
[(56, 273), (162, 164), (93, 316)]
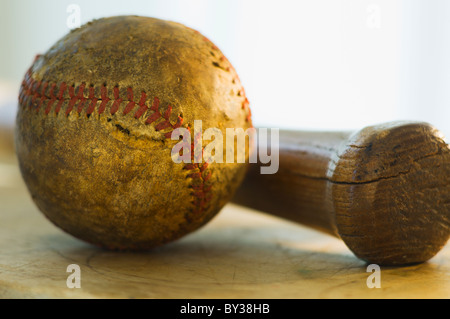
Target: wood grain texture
[(240, 254), (384, 190)]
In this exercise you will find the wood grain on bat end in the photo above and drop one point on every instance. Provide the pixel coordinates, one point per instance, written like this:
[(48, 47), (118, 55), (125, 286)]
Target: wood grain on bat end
[(390, 186)]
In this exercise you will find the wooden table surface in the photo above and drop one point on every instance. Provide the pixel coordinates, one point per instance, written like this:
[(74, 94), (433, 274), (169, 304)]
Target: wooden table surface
[(240, 254)]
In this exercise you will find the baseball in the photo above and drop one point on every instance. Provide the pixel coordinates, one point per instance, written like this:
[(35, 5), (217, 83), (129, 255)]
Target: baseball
[(94, 131)]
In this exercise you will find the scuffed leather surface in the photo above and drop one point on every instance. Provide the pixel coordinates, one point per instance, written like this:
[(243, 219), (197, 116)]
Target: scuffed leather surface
[(109, 179)]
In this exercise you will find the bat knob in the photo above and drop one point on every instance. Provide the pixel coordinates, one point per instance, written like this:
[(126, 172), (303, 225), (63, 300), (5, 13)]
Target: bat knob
[(390, 190)]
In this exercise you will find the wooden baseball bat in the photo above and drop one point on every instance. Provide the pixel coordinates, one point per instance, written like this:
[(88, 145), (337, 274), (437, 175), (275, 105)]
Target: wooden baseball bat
[(384, 190)]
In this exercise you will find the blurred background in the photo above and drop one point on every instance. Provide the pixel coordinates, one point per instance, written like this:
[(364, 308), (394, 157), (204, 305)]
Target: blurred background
[(322, 64)]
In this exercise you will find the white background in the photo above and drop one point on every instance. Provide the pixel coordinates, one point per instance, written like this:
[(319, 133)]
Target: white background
[(317, 64)]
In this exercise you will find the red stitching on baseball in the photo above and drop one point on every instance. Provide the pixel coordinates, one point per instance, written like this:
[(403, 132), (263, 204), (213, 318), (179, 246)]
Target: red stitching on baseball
[(155, 108), (93, 99), (117, 100), (62, 89), (245, 106), (199, 175), (130, 104), (81, 97), (73, 100), (52, 99), (32, 89), (105, 99), (143, 108), (43, 97)]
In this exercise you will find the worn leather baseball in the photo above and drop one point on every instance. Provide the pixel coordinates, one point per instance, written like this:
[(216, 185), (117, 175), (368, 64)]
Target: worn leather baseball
[(93, 133)]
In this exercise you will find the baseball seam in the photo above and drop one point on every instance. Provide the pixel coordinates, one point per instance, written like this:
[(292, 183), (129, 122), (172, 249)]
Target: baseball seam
[(38, 93), (222, 58)]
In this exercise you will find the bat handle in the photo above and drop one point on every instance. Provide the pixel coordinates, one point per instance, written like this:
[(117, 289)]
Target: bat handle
[(384, 190), (299, 191)]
